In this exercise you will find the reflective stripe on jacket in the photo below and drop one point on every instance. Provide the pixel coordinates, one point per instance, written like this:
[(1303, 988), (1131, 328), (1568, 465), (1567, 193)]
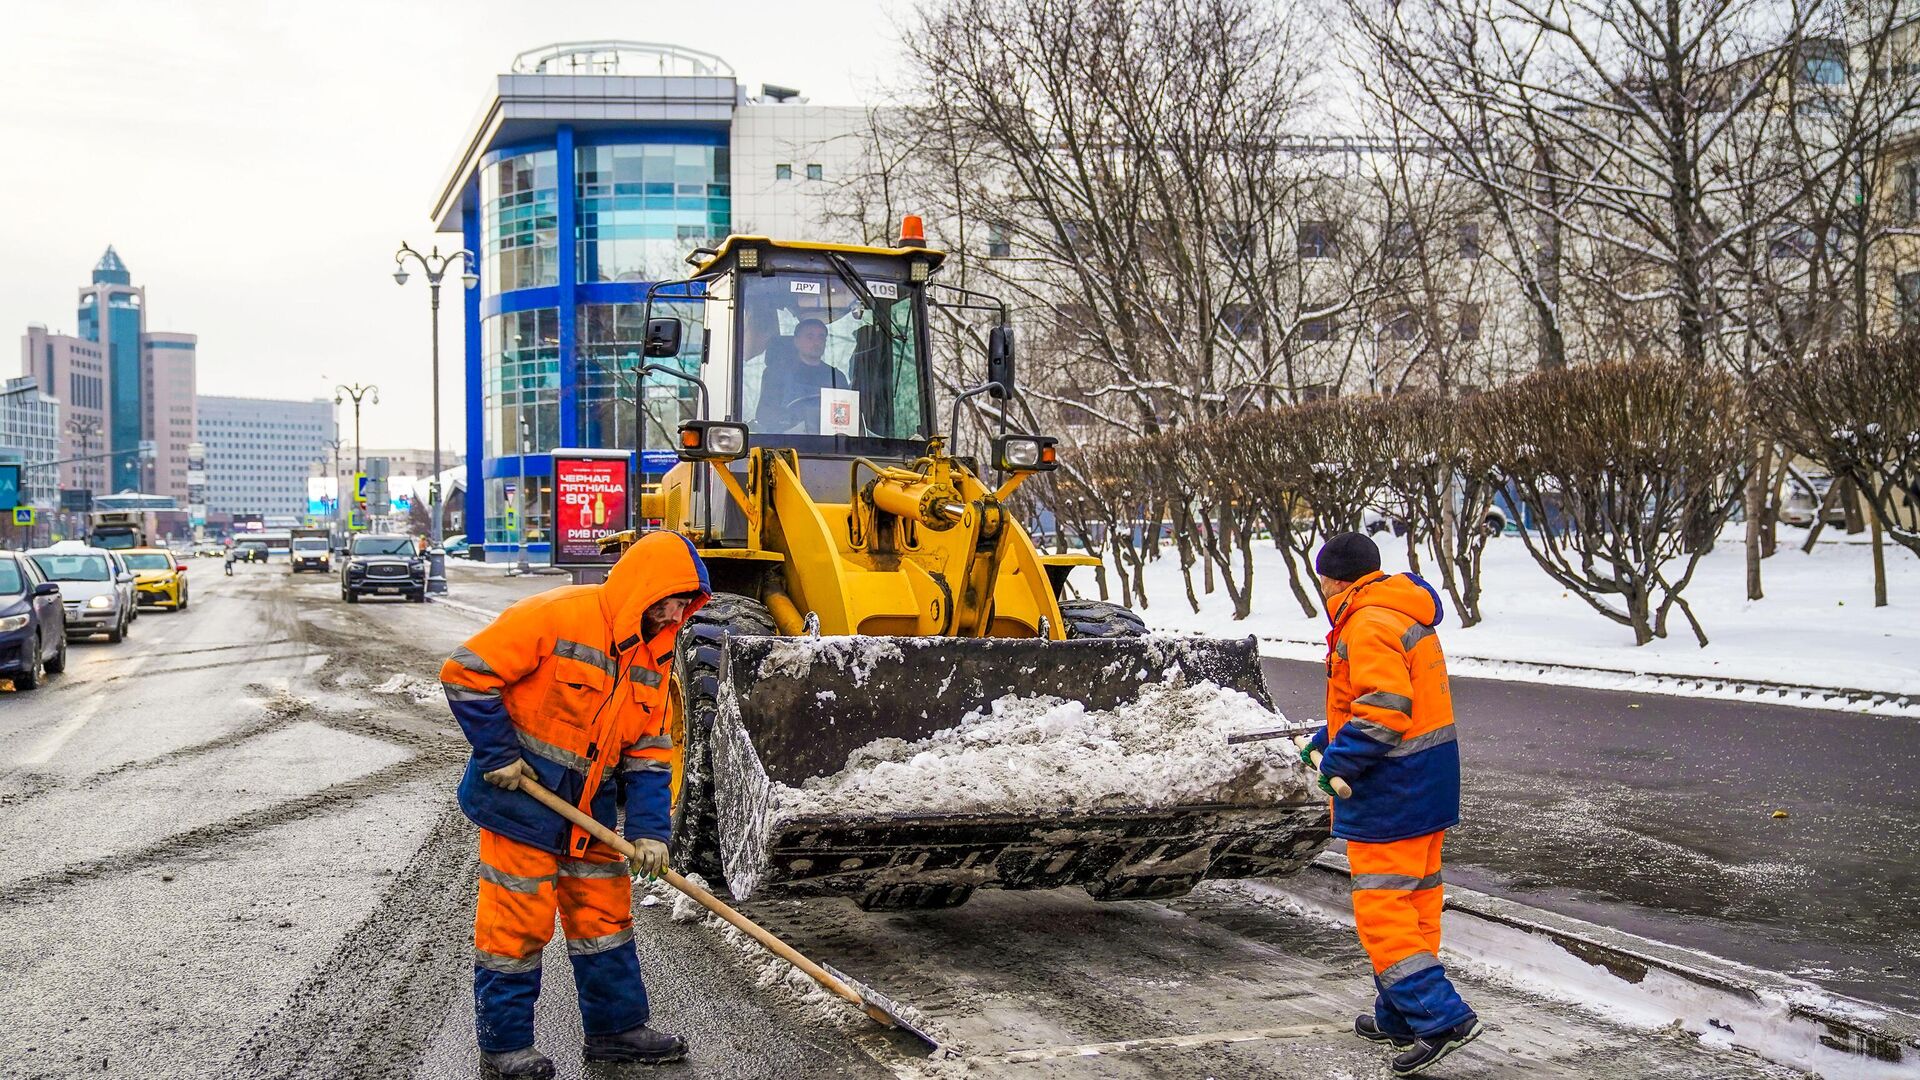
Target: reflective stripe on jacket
[(564, 681), (1390, 730)]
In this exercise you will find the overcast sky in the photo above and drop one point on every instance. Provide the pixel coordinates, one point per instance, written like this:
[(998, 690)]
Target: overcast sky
[(257, 163)]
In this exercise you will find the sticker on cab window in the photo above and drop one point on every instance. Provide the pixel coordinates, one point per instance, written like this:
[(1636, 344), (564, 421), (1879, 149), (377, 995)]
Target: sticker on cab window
[(884, 290), (811, 288)]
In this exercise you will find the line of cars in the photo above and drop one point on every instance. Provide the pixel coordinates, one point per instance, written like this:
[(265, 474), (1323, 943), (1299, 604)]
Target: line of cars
[(70, 589)]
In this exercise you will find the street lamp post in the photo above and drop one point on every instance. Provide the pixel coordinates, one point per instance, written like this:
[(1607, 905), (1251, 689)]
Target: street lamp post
[(334, 445), (520, 513), (434, 265), (356, 392)]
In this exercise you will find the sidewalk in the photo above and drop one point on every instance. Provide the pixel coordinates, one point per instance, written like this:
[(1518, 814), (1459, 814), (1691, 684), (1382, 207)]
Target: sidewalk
[(1816, 640)]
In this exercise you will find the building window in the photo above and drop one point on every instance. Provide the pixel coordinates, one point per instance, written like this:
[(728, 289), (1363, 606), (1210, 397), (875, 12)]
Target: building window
[(1906, 192), (1823, 63), (520, 223), (1316, 240), (1320, 329), (1907, 285), (1791, 242), (783, 171), (1469, 327), (520, 376), (1403, 325), (610, 337), (643, 207), (1240, 320), (1401, 241), (999, 244), (1469, 237), (815, 172)]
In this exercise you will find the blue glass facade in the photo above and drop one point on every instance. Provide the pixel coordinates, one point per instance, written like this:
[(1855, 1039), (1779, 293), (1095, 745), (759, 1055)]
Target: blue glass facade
[(570, 230), (124, 323)]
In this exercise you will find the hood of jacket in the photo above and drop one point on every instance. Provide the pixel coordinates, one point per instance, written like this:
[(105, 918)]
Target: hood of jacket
[(1407, 594), (658, 565)]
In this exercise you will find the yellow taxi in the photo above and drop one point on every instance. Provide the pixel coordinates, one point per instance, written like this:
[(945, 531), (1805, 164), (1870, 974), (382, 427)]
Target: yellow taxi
[(158, 578)]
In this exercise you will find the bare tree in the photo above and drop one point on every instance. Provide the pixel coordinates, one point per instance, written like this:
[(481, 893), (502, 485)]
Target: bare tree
[(1624, 470)]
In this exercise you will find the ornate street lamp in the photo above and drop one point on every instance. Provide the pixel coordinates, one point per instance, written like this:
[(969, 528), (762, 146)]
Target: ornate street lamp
[(434, 265)]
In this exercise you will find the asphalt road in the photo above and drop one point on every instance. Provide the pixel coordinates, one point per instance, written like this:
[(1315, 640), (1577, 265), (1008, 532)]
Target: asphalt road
[(231, 850), (1655, 814)]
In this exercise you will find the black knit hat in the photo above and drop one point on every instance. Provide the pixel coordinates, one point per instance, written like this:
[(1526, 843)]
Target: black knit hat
[(1348, 557)]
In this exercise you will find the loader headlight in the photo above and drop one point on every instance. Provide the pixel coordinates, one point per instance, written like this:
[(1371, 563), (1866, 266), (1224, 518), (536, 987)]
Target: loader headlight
[(1025, 453), (712, 440)]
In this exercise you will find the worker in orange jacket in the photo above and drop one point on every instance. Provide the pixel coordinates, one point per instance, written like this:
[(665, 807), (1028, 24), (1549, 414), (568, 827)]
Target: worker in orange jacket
[(1390, 735), (565, 689)]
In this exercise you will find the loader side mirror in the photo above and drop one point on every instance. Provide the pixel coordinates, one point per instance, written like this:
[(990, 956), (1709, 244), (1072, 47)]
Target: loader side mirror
[(663, 338), (1000, 361)]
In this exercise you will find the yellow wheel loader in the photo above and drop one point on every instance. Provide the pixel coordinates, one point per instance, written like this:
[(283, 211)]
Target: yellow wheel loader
[(827, 505)]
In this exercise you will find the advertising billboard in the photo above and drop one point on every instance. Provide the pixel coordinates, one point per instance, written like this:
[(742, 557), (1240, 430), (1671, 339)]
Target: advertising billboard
[(589, 501)]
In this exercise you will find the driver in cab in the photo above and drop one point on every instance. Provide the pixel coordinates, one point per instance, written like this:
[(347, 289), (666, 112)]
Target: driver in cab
[(792, 378)]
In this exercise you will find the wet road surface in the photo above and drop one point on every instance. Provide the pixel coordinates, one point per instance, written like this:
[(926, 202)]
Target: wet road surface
[(1655, 814), (231, 850)]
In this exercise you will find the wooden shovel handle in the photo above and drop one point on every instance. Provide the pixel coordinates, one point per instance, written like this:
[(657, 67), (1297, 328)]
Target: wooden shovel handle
[(704, 898), (1340, 787)]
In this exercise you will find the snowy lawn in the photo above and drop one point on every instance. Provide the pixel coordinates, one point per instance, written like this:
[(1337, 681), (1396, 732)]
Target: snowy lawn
[(1817, 626)]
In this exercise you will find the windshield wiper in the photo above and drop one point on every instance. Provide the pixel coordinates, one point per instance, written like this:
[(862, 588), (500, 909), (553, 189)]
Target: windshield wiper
[(845, 269)]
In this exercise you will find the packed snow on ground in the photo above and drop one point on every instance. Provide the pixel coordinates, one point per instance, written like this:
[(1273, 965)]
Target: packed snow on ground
[(1168, 746), (1817, 626), (405, 685)]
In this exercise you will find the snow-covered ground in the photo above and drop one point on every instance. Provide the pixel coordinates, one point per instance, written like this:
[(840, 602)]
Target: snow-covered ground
[(1817, 626)]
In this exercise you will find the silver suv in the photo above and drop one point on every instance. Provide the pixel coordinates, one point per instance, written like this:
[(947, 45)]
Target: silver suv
[(96, 588)]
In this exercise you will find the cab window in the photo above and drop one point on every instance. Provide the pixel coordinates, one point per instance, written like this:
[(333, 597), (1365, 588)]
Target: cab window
[(12, 581), (817, 359), (148, 562)]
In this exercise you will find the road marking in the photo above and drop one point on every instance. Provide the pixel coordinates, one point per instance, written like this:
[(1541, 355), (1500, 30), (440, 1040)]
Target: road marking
[(52, 741), (1130, 1046)]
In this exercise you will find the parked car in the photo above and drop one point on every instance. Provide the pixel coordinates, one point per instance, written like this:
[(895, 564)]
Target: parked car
[(383, 565), (1804, 496), (95, 587), (158, 577), (33, 623), (456, 548)]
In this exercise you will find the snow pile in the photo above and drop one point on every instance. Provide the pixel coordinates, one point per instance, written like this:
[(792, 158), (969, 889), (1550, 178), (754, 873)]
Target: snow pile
[(411, 686), (685, 908), (792, 658), (1169, 746)]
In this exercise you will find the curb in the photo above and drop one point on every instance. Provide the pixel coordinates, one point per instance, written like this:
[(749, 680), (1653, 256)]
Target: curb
[(1652, 682), (1648, 984)]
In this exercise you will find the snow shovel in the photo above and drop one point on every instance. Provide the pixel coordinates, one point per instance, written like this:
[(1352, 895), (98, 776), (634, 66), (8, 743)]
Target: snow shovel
[(1340, 787), (875, 1004)]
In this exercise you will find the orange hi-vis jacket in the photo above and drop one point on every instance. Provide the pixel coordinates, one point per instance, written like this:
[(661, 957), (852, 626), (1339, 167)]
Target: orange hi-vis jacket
[(564, 681), (1390, 729)]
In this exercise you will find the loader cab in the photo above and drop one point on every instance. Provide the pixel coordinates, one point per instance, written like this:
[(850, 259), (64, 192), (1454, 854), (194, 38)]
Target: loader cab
[(822, 348)]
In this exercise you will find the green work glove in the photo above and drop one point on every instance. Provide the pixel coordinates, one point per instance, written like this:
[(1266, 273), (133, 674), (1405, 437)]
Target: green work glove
[(1306, 754), (1326, 785)]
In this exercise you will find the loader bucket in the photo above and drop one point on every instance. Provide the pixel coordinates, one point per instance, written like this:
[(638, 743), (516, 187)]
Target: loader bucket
[(792, 821)]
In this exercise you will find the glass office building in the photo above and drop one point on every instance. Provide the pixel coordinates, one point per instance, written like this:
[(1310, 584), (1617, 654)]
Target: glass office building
[(597, 169), (593, 171)]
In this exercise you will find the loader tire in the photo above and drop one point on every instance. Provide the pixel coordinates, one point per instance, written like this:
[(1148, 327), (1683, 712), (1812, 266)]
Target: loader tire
[(696, 676), (1099, 619)]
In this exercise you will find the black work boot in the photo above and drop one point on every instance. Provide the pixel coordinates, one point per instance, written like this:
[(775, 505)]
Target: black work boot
[(1367, 1028), (641, 1044), (1429, 1049), (524, 1062)]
